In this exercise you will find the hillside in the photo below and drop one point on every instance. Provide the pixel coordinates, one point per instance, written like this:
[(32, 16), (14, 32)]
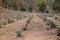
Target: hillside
[(24, 20)]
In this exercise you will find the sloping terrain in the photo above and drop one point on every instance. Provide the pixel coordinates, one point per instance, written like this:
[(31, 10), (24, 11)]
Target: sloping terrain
[(36, 29)]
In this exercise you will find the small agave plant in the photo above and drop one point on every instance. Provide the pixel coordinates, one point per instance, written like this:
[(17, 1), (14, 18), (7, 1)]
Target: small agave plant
[(29, 19), (44, 18), (55, 16), (58, 31), (18, 33), (52, 24), (24, 27)]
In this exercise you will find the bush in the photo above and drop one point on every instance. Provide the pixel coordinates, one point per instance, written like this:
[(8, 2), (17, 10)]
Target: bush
[(14, 6), (49, 22), (18, 33), (56, 5), (42, 5), (58, 31)]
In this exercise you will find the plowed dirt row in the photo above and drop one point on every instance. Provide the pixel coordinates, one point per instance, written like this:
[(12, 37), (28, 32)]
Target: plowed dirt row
[(36, 30)]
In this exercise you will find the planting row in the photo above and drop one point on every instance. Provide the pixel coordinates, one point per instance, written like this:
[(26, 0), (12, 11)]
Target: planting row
[(50, 23), (24, 28)]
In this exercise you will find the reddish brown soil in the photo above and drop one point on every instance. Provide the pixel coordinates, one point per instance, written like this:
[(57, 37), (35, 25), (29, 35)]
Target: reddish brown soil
[(36, 30)]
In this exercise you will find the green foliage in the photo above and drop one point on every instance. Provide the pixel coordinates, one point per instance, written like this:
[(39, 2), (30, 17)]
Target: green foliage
[(14, 6), (52, 24), (41, 4), (10, 4), (56, 5), (18, 33)]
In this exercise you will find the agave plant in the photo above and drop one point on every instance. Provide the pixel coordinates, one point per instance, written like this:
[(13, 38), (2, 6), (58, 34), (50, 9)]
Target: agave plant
[(29, 19), (44, 18), (55, 16), (24, 27), (18, 33), (58, 31), (52, 24)]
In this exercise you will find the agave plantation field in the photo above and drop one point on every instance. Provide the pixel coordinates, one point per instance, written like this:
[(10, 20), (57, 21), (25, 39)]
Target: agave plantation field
[(16, 25)]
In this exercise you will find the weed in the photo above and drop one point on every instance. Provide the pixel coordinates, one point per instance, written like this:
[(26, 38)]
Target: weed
[(18, 33), (29, 19)]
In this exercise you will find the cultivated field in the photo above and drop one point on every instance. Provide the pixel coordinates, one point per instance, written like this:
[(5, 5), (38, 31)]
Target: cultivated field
[(33, 26)]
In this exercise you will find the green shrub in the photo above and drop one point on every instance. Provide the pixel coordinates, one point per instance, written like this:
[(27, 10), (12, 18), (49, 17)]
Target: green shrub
[(52, 24), (18, 33), (14, 6), (42, 5)]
